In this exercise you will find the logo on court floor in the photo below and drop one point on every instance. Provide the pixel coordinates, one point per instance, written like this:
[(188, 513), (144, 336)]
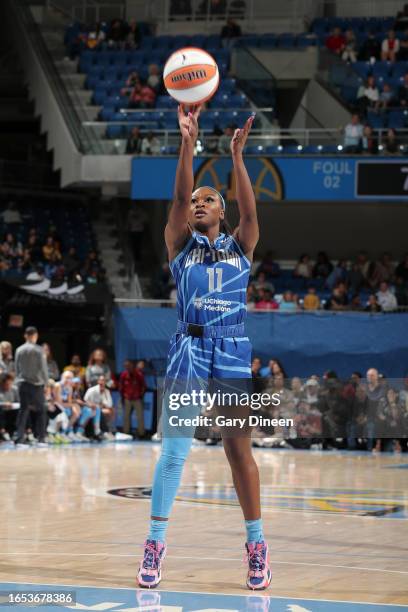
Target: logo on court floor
[(373, 503)]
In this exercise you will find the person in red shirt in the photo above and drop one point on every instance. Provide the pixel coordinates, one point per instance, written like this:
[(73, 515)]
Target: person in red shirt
[(142, 96), (132, 387), (336, 41), (266, 301)]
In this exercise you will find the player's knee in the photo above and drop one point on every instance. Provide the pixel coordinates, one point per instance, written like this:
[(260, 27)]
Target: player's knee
[(237, 453)]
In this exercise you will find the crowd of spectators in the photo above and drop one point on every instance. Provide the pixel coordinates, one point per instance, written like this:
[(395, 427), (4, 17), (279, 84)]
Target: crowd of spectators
[(378, 285), (25, 249), (363, 412), (361, 138), (78, 403), (394, 47)]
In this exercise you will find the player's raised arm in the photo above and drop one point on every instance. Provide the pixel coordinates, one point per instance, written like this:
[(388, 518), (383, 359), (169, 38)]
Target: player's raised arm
[(177, 231), (247, 232)]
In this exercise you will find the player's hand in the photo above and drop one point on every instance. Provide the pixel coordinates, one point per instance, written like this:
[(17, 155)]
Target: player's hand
[(240, 136), (189, 123)]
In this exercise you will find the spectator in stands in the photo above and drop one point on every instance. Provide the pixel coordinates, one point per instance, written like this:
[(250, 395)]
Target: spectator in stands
[(230, 32), (9, 400), (370, 50), (96, 36), (116, 33), (303, 268), (251, 297), (34, 248), (353, 132), (336, 42), (381, 270), (401, 20), (224, 141), (289, 302), (51, 250), (133, 35), (132, 80), (355, 303), (375, 393), (338, 299), (154, 79), (261, 282), (150, 144), (337, 275), (96, 399), (403, 92), (386, 98), (323, 266), (401, 291), (269, 266), (349, 53), (15, 248), (6, 357), (142, 96), (402, 269), (390, 47), (76, 367), (136, 224), (372, 304), (91, 270), (52, 366), (368, 95), (386, 298), (266, 301), (5, 258), (390, 142), (71, 263), (355, 278), (134, 142), (11, 215), (98, 366), (311, 300), (369, 143), (132, 387)]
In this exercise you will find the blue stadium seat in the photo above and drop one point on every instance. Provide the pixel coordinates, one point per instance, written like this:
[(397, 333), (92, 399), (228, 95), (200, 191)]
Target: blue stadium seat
[(147, 43), (238, 101), (137, 57), (312, 149), (381, 69), (115, 131), (221, 100), (397, 119), (169, 122), (349, 94), (376, 120), (274, 149), (265, 41), (253, 41), (206, 121), (107, 113), (330, 148), (119, 117), (399, 69), (169, 150), (180, 41), (100, 97), (197, 40), (213, 42), (293, 149), (306, 40), (363, 69), (287, 40), (227, 85), (255, 150)]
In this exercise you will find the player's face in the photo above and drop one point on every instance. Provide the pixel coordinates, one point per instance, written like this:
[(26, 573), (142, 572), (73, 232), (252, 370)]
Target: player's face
[(206, 210)]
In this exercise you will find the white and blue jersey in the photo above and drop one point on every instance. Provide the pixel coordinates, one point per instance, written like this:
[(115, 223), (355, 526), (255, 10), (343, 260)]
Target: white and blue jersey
[(211, 281)]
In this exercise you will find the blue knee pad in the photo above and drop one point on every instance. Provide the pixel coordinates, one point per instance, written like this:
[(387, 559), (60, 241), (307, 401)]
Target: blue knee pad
[(86, 414)]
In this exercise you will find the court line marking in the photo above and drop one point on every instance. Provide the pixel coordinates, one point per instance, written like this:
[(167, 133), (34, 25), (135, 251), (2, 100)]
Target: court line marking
[(275, 551), (69, 554), (264, 594)]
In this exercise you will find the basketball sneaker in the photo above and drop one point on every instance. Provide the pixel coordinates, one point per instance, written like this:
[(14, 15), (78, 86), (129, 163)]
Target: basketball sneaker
[(259, 574), (149, 574)]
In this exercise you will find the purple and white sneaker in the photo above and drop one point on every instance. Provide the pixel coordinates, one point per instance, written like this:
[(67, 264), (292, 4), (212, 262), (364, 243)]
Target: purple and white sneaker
[(149, 574), (259, 574)]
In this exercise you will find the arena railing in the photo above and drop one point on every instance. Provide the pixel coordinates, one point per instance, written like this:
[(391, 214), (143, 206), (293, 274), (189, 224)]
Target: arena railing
[(165, 303), (207, 143)]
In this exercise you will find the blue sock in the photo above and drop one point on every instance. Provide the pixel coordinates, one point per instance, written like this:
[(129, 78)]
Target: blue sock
[(158, 530), (254, 530)]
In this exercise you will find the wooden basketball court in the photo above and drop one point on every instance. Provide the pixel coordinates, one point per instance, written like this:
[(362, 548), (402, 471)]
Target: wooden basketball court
[(336, 523)]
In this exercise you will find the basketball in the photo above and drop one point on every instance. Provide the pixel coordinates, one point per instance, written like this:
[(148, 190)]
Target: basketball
[(191, 76)]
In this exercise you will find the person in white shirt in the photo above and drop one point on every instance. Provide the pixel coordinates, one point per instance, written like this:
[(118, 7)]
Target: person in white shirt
[(353, 133), (390, 47), (386, 298), (150, 145), (98, 401), (368, 95)]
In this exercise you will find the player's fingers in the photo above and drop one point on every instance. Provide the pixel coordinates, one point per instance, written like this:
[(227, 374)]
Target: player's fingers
[(193, 119), (197, 111), (237, 134)]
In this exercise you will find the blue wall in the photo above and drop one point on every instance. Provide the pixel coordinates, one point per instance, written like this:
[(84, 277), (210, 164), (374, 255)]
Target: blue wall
[(306, 343)]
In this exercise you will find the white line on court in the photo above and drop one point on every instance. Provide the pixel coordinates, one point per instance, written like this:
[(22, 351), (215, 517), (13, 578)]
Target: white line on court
[(264, 594), (110, 555)]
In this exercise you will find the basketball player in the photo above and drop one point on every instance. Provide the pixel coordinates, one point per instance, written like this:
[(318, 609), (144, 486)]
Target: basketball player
[(211, 269)]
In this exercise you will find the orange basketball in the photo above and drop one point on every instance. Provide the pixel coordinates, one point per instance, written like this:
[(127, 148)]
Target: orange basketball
[(191, 76)]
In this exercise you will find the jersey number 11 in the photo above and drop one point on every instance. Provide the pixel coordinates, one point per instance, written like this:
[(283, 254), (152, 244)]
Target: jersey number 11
[(212, 285)]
